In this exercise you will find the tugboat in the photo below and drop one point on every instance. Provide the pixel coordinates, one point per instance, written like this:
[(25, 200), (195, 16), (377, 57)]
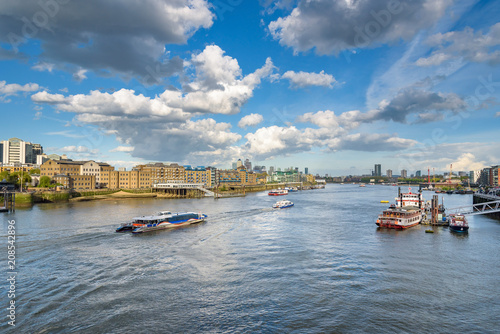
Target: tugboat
[(458, 223), (407, 212)]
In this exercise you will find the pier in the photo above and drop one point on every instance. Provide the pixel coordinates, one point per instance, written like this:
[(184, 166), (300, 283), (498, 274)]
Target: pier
[(7, 200)]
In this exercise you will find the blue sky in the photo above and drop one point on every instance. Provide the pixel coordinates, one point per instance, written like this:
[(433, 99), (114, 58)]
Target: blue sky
[(336, 86)]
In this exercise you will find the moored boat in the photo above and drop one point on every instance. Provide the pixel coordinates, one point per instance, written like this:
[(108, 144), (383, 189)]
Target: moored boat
[(161, 220), (282, 204), (458, 223), (400, 218), (278, 192), (407, 212)]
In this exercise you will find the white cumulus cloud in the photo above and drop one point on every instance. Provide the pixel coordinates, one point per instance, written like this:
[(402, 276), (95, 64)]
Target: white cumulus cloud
[(250, 120), (467, 44), (13, 89), (304, 79)]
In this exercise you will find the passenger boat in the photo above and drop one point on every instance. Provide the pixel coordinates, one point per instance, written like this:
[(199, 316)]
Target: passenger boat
[(129, 226), (160, 221), (282, 204), (278, 192), (407, 212), (458, 223)]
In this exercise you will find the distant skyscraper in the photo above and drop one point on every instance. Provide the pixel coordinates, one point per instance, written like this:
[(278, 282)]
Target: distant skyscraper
[(239, 163), (306, 170), (404, 173), (388, 172), (378, 170), (418, 173), (248, 165)]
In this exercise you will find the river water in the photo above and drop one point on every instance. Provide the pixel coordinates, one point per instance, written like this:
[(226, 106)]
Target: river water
[(321, 266)]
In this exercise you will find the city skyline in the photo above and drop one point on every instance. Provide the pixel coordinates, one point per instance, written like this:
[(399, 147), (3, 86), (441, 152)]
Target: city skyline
[(242, 80)]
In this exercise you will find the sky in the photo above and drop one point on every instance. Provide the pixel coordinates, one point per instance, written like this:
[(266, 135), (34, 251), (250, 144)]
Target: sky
[(335, 86)]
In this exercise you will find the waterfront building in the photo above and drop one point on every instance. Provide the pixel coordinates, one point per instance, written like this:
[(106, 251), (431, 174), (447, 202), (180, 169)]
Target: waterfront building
[(96, 168), (388, 173), (163, 173), (238, 177), (310, 178), (133, 179), (199, 175), (214, 176), (418, 173), (378, 170), (404, 173), (306, 170), (54, 167), (17, 167), (492, 173), (284, 176), (77, 182), (16, 150)]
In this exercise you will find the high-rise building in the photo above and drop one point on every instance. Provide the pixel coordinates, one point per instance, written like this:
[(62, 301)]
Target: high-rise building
[(16, 150), (378, 170), (388, 173), (239, 163), (404, 173), (248, 165), (418, 173), (306, 170)]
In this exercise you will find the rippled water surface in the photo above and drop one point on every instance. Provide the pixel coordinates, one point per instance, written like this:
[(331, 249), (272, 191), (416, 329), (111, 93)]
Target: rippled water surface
[(322, 266)]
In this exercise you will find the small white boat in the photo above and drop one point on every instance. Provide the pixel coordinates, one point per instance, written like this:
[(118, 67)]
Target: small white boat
[(282, 204)]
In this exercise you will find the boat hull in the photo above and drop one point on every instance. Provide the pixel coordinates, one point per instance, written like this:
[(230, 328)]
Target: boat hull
[(397, 227), (459, 229), (283, 207)]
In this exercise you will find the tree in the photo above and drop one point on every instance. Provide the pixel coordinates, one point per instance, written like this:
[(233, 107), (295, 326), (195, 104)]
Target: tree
[(25, 177), (34, 171), (44, 182), (4, 175)]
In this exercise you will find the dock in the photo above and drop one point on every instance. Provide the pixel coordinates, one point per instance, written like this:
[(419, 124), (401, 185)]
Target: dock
[(7, 200)]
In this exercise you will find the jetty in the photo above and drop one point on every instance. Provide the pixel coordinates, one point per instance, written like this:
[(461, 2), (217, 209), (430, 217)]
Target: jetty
[(7, 200)]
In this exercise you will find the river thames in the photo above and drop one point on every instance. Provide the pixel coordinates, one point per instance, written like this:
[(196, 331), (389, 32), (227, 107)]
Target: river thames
[(321, 266)]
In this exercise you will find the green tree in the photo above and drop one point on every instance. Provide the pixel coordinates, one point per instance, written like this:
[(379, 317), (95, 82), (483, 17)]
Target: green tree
[(44, 182), (4, 175), (34, 171)]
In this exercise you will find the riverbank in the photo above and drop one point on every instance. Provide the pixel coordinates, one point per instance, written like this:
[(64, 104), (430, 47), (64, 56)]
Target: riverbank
[(26, 199)]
